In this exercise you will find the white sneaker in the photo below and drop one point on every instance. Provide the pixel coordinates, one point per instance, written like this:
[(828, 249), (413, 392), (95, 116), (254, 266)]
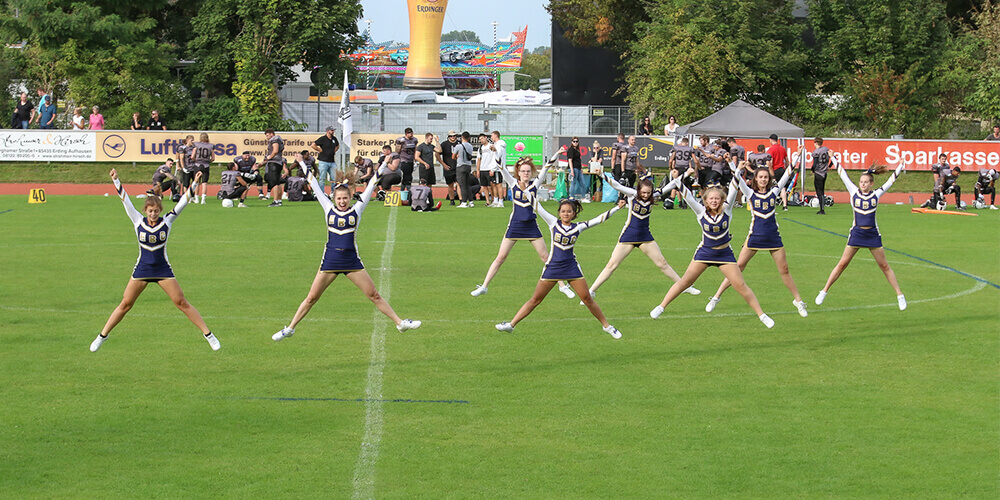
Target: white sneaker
[(820, 297), (801, 306), (615, 334), (994, 207), (902, 302), (500, 204), (202, 202), (241, 205), (768, 322), (212, 341), (712, 302), (656, 312), (284, 333), (462, 205), (505, 327), (480, 290), (692, 290), (408, 324), (96, 344), (567, 291), (585, 200)]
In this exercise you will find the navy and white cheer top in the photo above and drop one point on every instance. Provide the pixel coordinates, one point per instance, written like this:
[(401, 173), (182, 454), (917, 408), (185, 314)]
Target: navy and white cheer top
[(341, 253), (715, 237), (864, 231), (561, 264), (522, 224), (763, 223), (636, 230), (152, 263)]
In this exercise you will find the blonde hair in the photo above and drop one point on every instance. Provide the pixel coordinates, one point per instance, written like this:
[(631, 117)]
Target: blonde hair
[(709, 191), (203, 137), (525, 160), (153, 201), (344, 181)]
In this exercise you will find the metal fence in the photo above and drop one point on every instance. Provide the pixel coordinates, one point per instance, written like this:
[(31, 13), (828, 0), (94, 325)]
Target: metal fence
[(547, 121)]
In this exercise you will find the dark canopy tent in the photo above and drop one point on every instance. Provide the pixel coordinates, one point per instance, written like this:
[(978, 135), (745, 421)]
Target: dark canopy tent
[(740, 119)]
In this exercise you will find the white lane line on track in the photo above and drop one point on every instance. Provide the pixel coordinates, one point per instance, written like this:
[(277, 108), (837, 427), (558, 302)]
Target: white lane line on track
[(364, 468)]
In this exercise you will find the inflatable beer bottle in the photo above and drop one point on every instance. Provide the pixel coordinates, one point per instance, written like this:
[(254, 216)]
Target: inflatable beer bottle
[(423, 66)]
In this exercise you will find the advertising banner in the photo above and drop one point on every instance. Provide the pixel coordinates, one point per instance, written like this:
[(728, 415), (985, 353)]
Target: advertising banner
[(370, 145), (859, 154), (47, 145), (653, 151), (533, 147), (155, 147)]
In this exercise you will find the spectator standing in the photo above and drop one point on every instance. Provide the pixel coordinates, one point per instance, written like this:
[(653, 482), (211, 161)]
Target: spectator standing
[(136, 121), (499, 149), (78, 119), (274, 170), (778, 156), (646, 128), (995, 136), (425, 159), (463, 171), (326, 163), (671, 126), (577, 188), (97, 123), (47, 113), (485, 168), (155, 122), (24, 111), (406, 147), (445, 156)]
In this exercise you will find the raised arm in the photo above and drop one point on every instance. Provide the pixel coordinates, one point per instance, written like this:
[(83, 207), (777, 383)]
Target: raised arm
[(545, 215), (130, 210), (674, 184), (509, 179), (318, 192), (599, 219), (692, 202), (742, 184), (627, 191), (366, 196), (541, 176), (851, 188), (892, 178), (728, 206), (784, 180)]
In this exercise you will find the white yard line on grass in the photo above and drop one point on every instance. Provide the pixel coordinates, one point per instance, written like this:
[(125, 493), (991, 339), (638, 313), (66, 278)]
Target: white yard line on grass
[(364, 468)]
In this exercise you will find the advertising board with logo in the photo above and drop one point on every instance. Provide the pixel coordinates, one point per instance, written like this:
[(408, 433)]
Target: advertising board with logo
[(653, 151), (47, 145)]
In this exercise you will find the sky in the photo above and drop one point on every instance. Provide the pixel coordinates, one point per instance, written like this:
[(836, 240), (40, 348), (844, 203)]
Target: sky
[(390, 21)]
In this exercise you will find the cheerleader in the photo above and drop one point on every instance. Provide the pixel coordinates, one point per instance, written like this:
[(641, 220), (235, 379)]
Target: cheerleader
[(762, 200), (636, 234), (153, 266), (522, 224), (714, 249), (562, 265), (341, 254), (864, 231)]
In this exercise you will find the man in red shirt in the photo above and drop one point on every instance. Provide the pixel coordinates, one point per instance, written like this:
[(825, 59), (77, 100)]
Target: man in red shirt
[(778, 156)]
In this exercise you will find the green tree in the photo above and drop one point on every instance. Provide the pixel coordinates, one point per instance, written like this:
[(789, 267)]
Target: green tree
[(984, 37), (460, 36), (535, 64), (262, 40), (693, 57), (610, 23)]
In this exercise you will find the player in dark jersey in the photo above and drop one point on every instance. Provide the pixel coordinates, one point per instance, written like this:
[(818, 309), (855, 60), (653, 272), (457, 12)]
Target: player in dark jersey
[(152, 266), (275, 171), (821, 157), (247, 165), (341, 253), (864, 231), (406, 148), (364, 169), (945, 178), (185, 164), (616, 156), (680, 166), (444, 152), (163, 179), (986, 184), (714, 250), (203, 155), (234, 185), (562, 264)]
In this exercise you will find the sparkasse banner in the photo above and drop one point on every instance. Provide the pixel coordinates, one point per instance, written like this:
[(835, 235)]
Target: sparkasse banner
[(859, 154)]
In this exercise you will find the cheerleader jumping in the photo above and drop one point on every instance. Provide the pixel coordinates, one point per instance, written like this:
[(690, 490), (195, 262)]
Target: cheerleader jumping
[(636, 234), (153, 266), (562, 265), (522, 224), (714, 250), (864, 232), (762, 200), (341, 254)]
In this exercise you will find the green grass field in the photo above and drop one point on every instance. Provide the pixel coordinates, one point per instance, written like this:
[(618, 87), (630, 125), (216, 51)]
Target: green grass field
[(857, 400)]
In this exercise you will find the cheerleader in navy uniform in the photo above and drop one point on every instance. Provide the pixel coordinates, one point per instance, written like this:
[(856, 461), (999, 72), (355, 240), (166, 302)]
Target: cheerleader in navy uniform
[(522, 224), (341, 254), (562, 265), (153, 266), (864, 231), (714, 250), (762, 200), (636, 234)]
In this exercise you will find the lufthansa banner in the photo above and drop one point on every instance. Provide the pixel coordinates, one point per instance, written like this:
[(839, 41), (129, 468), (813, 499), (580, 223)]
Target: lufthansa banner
[(155, 147)]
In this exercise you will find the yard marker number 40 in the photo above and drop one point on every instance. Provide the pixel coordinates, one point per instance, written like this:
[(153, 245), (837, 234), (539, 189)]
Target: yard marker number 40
[(36, 196)]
